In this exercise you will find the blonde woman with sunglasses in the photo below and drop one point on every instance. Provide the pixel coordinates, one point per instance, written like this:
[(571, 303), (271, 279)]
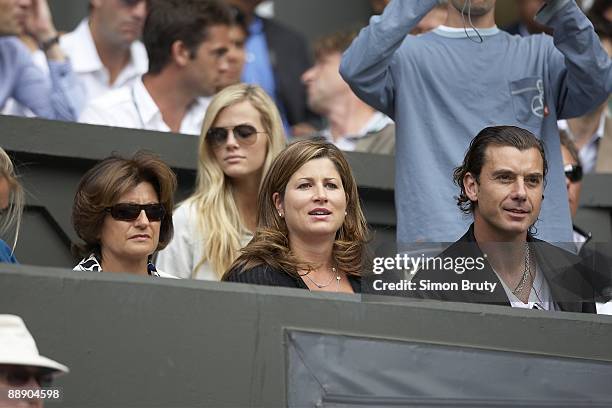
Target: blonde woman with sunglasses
[(241, 135)]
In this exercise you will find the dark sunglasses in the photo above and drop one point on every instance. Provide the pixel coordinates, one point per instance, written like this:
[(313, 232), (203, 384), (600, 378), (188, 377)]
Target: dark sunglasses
[(244, 134), (17, 376), (573, 172), (130, 212)]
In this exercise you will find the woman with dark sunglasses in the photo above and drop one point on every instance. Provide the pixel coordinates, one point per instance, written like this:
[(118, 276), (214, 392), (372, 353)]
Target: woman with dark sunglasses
[(242, 133), (123, 212)]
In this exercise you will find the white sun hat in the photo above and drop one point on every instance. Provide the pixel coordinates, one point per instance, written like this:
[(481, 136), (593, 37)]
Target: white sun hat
[(17, 346)]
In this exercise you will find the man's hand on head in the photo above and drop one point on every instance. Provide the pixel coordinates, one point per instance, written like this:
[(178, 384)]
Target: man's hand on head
[(40, 22), (40, 26)]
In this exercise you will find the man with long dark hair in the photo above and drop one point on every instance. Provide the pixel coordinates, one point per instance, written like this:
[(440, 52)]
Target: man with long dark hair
[(501, 184), (442, 87)]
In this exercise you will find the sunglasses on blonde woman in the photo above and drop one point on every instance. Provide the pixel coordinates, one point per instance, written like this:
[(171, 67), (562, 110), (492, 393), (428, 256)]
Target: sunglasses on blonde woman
[(244, 135), (130, 212)]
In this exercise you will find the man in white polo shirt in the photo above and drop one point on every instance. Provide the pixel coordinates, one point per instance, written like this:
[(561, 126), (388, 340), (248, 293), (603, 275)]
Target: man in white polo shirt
[(104, 49), (187, 43)]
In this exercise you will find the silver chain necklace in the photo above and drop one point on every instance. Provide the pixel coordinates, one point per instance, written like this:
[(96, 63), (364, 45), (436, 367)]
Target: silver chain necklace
[(526, 272), (331, 279)]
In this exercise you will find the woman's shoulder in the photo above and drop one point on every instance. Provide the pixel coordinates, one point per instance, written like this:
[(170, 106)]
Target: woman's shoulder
[(6, 253), (89, 264), (186, 220), (262, 275), (185, 212)]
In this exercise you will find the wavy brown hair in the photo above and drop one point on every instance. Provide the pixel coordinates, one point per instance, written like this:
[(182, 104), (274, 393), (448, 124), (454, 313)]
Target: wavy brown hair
[(108, 180), (270, 245)]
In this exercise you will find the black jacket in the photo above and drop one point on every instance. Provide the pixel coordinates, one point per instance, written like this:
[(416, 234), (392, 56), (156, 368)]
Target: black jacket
[(564, 272), (290, 58), (597, 257), (268, 276)]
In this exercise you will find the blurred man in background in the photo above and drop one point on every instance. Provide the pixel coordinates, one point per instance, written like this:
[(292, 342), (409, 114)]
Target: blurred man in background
[(592, 133), (187, 43), (104, 49), (236, 54), (277, 56), (58, 98), (352, 125)]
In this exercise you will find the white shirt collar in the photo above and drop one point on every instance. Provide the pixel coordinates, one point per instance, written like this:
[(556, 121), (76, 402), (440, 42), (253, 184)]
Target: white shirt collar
[(145, 106), (88, 60), (540, 296), (377, 122), (454, 32), (149, 114)]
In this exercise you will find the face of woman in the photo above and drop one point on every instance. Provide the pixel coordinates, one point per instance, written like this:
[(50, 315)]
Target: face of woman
[(314, 205), (239, 156), (129, 241)]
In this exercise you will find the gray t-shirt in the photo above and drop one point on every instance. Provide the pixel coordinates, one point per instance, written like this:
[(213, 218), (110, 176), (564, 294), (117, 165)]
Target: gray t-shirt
[(442, 88)]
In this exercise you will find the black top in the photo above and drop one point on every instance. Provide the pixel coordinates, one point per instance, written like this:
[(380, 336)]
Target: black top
[(290, 58), (564, 272), (268, 276)]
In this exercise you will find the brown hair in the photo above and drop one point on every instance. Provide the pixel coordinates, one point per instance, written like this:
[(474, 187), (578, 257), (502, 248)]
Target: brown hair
[(270, 244), (102, 186), (335, 42), (188, 21), (476, 155), (568, 143)]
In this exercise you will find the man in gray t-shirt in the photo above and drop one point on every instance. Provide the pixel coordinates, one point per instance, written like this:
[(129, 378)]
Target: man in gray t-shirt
[(442, 87)]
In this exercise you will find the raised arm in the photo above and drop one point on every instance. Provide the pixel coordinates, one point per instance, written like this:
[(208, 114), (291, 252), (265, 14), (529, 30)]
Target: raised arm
[(366, 64), (64, 97), (580, 70)]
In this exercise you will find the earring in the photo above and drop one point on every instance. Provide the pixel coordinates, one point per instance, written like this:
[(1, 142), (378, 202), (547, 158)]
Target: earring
[(345, 213), (280, 214), (542, 196)]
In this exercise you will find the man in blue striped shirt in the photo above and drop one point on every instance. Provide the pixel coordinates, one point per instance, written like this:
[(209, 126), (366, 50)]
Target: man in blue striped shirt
[(60, 98)]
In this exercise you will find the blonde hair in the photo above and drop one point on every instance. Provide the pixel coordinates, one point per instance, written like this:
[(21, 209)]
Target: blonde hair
[(219, 221), (14, 212)]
